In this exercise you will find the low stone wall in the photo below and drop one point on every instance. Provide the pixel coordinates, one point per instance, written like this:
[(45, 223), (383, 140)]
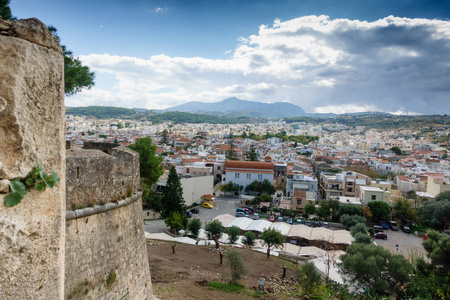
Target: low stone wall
[(106, 255)]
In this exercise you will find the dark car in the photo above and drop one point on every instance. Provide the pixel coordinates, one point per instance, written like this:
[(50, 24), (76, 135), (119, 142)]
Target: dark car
[(378, 228), (195, 210), (280, 219), (290, 221), (188, 214), (384, 224), (308, 223), (380, 235), (406, 229), (393, 225)]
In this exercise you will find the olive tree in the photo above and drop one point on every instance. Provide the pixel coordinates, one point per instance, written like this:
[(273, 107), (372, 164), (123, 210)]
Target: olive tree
[(272, 238), (215, 230), (375, 268), (233, 234)]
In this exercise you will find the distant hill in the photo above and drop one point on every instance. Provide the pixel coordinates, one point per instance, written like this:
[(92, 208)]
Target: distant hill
[(239, 108), (102, 112)]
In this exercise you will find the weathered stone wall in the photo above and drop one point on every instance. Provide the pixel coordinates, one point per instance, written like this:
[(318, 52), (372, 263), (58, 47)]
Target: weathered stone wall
[(31, 133), (106, 256), (95, 177)]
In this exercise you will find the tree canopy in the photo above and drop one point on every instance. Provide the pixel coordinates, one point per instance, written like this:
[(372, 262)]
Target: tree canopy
[(76, 76), (233, 234), (272, 238), (261, 187), (349, 209), (252, 155), (352, 220), (434, 213), (5, 10), (150, 164), (310, 208), (380, 210), (214, 228), (438, 247), (173, 195), (374, 267), (231, 153)]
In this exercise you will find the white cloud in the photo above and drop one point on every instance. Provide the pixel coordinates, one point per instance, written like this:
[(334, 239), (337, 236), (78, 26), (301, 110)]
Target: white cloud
[(346, 108), (323, 65), (157, 10)]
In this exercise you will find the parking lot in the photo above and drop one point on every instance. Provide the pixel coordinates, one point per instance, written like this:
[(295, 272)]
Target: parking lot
[(224, 205), (408, 244)]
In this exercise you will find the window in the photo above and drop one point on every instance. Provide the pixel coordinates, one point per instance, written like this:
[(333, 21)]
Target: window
[(374, 197), (249, 176), (259, 176), (236, 175)]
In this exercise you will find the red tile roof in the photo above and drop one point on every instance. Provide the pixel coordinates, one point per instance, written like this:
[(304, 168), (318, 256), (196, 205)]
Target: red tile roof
[(259, 165)]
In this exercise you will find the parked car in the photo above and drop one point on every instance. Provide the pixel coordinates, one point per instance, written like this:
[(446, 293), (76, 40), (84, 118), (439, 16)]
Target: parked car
[(195, 210), (304, 243), (240, 214), (308, 223), (380, 235), (188, 214), (293, 242), (255, 216), (378, 228), (290, 221), (272, 218), (242, 211), (406, 229), (326, 225), (384, 224), (298, 221), (280, 219), (249, 210), (208, 205), (279, 194), (393, 225)]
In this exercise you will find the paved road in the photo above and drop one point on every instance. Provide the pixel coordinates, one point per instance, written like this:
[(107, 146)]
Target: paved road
[(408, 244), (224, 205)]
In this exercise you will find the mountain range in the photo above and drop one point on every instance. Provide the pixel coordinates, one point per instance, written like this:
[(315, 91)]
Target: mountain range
[(233, 107)]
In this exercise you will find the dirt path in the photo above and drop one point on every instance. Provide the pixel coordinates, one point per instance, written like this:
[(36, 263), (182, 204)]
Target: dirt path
[(187, 273)]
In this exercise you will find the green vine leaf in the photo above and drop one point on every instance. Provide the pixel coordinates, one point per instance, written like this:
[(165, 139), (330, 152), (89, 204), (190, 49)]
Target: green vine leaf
[(37, 178), (17, 186), (55, 177), (13, 198), (40, 186)]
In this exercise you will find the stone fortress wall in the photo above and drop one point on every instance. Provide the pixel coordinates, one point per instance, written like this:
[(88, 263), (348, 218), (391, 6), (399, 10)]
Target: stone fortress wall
[(96, 248), (32, 133), (106, 256)]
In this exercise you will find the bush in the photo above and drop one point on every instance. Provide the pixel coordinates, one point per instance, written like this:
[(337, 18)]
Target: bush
[(233, 234), (359, 227), (362, 238), (352, 220), (309, 278), (236, 264)]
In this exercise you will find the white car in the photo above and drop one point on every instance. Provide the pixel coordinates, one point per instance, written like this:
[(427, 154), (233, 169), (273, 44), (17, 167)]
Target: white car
[(255, 216)]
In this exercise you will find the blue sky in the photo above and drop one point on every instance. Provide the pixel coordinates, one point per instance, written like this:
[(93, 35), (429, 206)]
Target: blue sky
[(325, 56)]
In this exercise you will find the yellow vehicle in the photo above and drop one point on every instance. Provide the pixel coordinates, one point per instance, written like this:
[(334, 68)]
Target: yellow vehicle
[(208, 205), (208, 199)]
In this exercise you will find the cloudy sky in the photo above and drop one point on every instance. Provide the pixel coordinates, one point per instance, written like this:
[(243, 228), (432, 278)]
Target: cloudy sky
[(323, 55)]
